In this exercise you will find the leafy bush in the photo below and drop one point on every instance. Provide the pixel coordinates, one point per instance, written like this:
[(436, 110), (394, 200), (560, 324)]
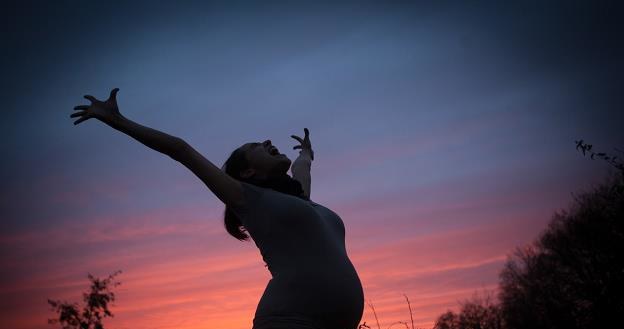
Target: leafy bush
[(95, 310)]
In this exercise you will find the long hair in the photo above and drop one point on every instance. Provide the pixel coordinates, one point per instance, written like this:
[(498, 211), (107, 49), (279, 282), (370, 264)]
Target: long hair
[(236, 163)]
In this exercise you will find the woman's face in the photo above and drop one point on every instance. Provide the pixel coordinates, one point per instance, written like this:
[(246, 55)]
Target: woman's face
[(265, 160)]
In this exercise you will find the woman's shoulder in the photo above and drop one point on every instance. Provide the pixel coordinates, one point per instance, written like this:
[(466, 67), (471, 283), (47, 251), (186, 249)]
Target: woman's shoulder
[(252, 194), (313, 203)]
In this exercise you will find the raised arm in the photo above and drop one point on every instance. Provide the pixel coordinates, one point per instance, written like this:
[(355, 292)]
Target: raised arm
[(301, 167), (226, 188)]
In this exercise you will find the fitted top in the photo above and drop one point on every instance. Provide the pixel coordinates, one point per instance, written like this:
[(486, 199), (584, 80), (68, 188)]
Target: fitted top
[(314, 284)]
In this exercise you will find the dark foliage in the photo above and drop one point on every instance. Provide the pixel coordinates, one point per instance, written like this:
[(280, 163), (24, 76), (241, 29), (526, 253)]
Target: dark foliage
[(477, 313), (611, 159), (571, 277), (95, 309)]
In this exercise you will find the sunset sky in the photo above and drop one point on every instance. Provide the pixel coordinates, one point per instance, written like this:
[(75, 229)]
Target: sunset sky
[(443, 137)]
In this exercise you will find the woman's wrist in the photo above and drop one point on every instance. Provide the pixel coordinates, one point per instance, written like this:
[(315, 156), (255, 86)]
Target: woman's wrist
[(308, 152), (115, 120)]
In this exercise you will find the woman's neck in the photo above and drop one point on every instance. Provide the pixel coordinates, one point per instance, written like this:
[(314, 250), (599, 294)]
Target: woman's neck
[(281, 183)]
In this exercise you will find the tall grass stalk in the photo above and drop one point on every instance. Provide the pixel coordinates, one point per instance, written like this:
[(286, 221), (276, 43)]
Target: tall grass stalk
[(410, 309), (370, 303)]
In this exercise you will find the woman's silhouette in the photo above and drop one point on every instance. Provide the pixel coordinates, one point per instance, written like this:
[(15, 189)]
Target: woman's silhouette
[(314, 284)]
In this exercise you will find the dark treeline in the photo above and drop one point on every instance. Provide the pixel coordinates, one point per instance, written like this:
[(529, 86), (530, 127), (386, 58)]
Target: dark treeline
[(571, 277)]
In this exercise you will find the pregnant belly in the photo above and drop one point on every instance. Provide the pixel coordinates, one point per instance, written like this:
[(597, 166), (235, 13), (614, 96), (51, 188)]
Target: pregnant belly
[(333, 298)]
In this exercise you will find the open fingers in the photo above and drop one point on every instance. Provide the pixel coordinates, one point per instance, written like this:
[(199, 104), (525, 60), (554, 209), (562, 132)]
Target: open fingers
[(113, 95), (297, 138), (81, 119), (91, 98), (81, 107), (305, 140), (77, 114)]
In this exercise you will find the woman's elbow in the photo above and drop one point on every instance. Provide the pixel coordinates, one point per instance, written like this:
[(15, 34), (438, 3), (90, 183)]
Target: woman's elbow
[(179, 149)]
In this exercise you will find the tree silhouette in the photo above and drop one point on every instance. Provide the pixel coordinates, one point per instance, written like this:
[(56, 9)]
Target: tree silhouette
[(479, 312), (95, 309), (572, 276)]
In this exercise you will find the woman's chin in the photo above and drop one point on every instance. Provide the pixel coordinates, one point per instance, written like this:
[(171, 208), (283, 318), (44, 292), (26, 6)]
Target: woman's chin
[(281, 156), (284, 163)]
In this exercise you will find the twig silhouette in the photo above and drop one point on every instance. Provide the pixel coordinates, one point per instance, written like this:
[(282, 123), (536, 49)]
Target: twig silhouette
[(613, 160), (363, 325), (410, 309), (405, 323), (370, 303)]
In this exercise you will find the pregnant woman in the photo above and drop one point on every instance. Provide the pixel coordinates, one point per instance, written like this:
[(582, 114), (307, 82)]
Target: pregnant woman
[(314, 284)]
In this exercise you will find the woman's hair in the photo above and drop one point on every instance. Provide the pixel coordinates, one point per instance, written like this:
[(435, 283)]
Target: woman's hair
[(236, 163)]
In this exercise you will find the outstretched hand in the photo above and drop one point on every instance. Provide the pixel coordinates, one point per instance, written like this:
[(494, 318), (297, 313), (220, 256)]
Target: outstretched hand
[(305, 142), (104, 111)]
